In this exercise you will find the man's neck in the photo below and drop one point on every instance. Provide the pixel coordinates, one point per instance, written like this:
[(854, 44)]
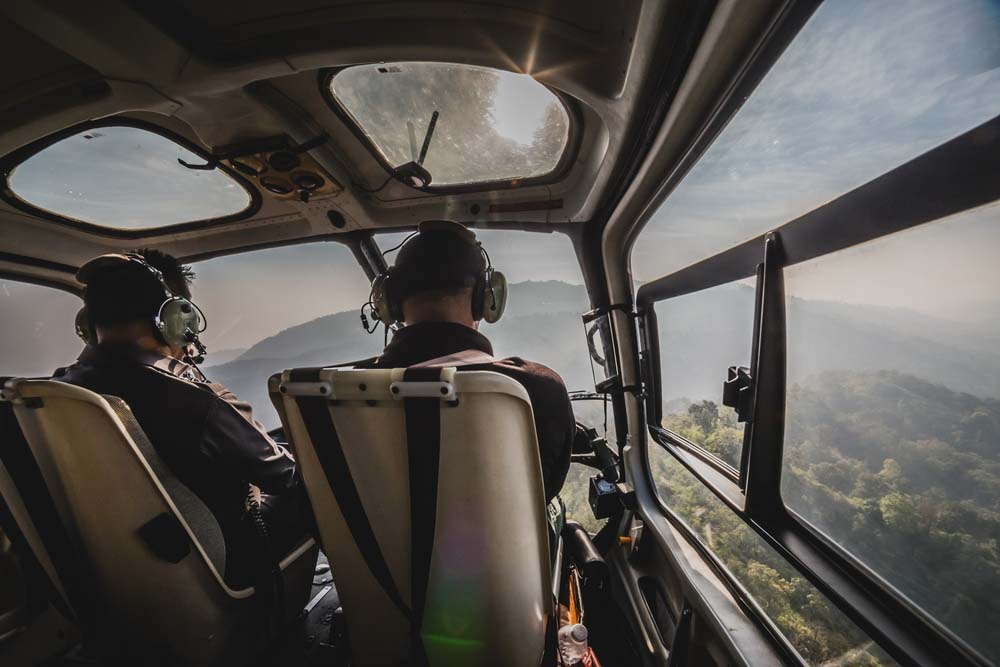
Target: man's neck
[(143, 342), (468, 322)]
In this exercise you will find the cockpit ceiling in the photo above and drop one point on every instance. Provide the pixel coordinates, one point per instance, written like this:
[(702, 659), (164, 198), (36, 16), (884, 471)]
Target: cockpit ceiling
[(252, 78), (243, 32)]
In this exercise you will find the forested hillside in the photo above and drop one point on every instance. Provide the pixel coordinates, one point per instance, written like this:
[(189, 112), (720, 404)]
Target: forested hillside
[(903, 473)]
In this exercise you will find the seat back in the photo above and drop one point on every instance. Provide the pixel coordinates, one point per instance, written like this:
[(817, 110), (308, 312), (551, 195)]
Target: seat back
[(155, 568), (429, 501)]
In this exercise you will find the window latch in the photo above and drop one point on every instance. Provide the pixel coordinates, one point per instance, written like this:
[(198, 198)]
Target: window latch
[(737, 392)]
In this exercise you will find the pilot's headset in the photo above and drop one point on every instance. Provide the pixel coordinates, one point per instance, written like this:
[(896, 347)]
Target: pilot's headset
[(489, 292), (178, 321)]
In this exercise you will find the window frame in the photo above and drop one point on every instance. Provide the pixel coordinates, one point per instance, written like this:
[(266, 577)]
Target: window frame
[(915, 193), (12, 160), (564, 164)]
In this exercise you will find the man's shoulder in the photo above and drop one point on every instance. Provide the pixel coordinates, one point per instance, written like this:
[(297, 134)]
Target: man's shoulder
[(138, 383), (541, 374)]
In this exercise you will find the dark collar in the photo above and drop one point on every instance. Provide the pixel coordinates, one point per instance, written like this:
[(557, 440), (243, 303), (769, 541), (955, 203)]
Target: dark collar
[(429, 340), (106, 354)]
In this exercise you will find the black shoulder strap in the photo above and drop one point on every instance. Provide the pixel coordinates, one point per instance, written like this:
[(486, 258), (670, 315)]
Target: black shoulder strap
[(27, 477), (423, 439), (319, 423)]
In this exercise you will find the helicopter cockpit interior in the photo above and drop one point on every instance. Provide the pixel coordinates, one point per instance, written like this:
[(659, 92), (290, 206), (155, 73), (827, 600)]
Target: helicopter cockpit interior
[(756, 241)]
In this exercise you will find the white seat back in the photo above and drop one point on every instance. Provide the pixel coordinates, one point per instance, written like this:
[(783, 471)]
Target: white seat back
[(107, 487), (488, 594)]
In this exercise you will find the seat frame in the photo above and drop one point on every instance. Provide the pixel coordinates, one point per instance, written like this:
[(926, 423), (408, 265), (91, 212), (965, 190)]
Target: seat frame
[(186, 608)]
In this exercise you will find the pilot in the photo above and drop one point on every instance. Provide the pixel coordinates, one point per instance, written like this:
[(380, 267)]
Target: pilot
[(140, 326), (431, 289)]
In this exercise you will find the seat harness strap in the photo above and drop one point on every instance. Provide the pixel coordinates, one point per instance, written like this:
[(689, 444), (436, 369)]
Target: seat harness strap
[(30, 484), (323, 433), (423, 440)]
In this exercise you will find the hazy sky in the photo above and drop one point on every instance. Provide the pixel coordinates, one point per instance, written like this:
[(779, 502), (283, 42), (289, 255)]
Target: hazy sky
[(251, 296), (863, 88)]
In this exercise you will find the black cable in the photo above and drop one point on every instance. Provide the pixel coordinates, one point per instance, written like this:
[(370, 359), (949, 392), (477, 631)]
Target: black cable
[(275, 596), (376, 190), (400, 244)]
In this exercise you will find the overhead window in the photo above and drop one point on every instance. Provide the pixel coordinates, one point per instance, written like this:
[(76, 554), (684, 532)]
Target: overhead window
[(863, 88), (491, 125), (126, 178)]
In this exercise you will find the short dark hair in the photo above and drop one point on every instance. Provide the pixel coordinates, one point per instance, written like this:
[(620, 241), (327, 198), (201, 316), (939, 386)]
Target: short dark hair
[(129, 293), (177, 276), (444, 258)]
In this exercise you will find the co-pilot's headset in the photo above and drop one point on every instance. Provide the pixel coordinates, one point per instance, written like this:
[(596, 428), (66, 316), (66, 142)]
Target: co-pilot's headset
[(178, 321), (489, 292)]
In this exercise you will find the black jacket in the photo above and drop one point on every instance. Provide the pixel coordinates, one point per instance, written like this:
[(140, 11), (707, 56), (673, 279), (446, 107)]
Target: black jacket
[(555, 425), (206, 435)]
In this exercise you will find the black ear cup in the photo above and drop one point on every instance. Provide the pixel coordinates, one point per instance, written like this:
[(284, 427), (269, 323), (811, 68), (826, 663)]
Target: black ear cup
[(84, 329), (385, 309), (478, 296)]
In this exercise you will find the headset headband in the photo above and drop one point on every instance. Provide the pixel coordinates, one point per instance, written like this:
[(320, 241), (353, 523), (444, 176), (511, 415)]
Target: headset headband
[(87, 272)]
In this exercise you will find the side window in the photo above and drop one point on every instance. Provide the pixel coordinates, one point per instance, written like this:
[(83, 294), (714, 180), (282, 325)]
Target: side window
[(37, 330), (892, 433), (882, 365), (280, 308), (820, 633), (697, 332)]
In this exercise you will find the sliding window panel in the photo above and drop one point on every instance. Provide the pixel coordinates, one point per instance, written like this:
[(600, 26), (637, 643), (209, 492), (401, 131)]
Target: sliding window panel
[(700, 335)]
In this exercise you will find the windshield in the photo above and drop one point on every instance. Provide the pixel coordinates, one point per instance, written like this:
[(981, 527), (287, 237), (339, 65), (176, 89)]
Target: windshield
[(280, 308), (547, 297), (491, 125)]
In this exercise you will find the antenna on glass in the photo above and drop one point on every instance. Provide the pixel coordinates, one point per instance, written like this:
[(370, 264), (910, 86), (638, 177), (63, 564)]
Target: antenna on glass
[(413, 173), (413, 139)]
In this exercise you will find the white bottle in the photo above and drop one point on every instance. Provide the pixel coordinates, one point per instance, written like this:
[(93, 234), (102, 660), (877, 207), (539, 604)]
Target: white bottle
[(572, 643)]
